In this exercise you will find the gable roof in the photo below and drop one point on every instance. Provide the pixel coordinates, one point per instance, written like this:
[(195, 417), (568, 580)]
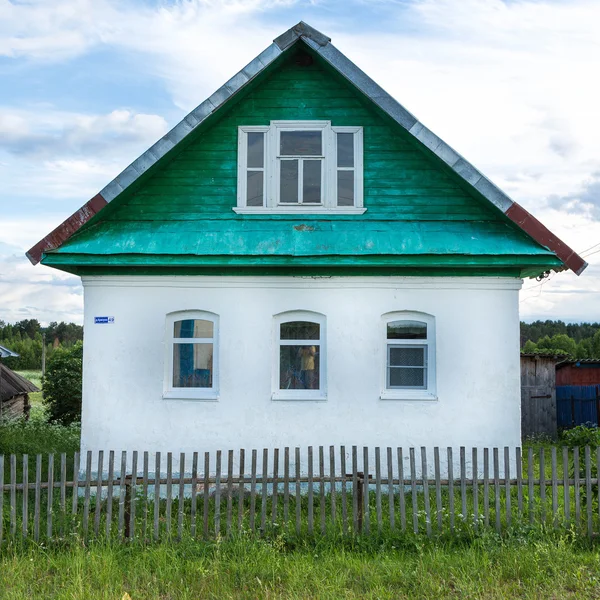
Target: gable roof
[(12, 384), (320, 44)]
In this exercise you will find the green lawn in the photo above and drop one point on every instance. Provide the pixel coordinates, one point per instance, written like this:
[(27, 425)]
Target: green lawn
[(253, 569)]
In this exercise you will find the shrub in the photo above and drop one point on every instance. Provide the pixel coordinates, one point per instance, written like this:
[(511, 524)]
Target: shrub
[(582, 435), (62, 384)]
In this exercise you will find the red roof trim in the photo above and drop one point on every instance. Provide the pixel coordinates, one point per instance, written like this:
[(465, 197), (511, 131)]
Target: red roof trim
[(541, 234), (67, 228)]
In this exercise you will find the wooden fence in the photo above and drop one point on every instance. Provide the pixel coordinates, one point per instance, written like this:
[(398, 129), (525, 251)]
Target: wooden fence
[(320, 491)]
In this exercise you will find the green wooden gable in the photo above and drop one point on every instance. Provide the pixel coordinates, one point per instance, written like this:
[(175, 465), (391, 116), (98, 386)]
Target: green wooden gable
[(420, 219)]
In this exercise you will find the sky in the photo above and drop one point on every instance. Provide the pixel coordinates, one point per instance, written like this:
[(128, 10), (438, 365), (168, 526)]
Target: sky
[(86, 86)]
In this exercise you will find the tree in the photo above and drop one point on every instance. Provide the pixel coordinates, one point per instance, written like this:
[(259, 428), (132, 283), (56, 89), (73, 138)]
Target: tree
[(529, 347), (62, 384)]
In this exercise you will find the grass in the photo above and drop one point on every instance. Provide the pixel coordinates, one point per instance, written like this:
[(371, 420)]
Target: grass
[(488, 568)]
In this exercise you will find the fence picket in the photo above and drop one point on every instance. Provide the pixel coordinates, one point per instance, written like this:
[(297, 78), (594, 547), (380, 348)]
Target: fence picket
[(588, 490), (486, 487), (425, 479), (180, 496), (438, 489), (37, 497), (286, 485), (497, 490), (13, 495), (194, 495), (401, 496), (507, 498), (241, 489), (275, 501), (332, 485), (109, 492), (309, 492), (355, 524), (463, 484), (157, 469), (75, 497), (98, 493), (50, 497), (253, 491), (87, 493), (145, 477), (229, 491), (554, 489), (122, 492), (475, 474), (298, 497), (217, 514), (530, 484), (25, 517), (566, 491), (378, 487), (577, 487), (519, 465), (366, 499), (450, 456), (264, 490), (63, 492), (542, 461), (169, 506), (322, 488), (344, 492), (390, 477), (205, 495), (413, 487)]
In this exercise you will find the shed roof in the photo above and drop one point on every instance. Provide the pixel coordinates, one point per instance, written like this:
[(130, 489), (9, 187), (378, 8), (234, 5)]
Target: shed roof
[(12, 384), (321, 44)]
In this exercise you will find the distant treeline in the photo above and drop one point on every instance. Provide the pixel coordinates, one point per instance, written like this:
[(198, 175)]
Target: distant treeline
[(578, 340), (25, 338)]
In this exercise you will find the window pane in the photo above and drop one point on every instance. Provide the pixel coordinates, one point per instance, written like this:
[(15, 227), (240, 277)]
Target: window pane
[(300, 330), (407, 377), (289, 182), (192, 365), (254, 189), (311, 180), (300, 143), (193, 328), (345, 192), (256, 149), (345, 149), (407, 330), (299, 367), (402, 356)]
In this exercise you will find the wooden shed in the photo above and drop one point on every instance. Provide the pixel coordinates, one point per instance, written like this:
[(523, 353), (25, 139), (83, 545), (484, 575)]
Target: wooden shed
[(585, 371), (14, 394), (538, 394)]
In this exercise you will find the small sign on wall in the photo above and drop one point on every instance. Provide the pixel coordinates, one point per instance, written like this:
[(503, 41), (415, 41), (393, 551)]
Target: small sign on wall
[(104, 320)]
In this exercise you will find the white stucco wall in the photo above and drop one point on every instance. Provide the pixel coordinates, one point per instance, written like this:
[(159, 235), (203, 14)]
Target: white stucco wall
[(477, 364)]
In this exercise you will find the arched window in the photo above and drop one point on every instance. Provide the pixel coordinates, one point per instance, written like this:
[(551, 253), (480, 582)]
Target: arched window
[(300, 358), (409, 356), (191, 369)]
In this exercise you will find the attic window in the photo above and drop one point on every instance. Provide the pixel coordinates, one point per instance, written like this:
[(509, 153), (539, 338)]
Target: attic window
[(300, 166)]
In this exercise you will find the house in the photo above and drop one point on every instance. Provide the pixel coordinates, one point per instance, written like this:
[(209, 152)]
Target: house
[(538, 394), (583, 371), (301, 261), (14, 393), (578, 392)]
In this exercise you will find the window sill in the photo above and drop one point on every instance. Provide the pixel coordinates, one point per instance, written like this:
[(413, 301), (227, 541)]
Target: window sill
[(302, 396), (408, 395), (211, 396), (303, 210)]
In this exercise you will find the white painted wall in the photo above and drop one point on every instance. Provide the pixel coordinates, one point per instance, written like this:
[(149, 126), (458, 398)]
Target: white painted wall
[(477, 363)]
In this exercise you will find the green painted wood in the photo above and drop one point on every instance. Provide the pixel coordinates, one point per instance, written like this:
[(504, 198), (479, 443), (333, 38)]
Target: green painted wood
[(184, 207)]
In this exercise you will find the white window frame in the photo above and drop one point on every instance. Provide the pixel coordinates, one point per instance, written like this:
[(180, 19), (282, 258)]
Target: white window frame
[(329, 170), (178, 393), (319, 395), (430, 390)]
